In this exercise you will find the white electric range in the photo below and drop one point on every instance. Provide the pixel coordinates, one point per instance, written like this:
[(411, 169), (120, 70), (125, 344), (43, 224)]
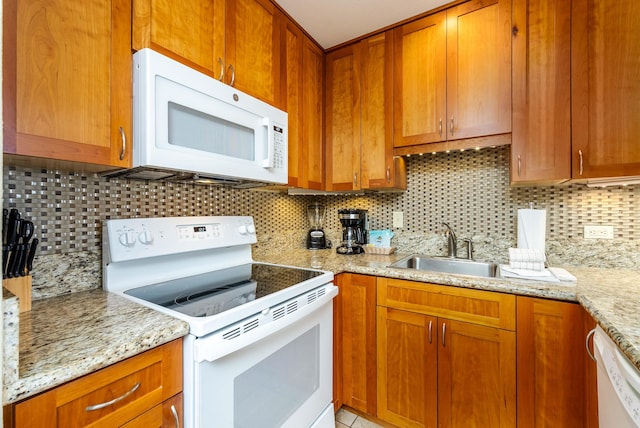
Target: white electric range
[(259, 349)]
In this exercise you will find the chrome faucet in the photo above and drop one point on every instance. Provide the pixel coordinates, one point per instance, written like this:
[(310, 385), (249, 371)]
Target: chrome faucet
[(452, 242)]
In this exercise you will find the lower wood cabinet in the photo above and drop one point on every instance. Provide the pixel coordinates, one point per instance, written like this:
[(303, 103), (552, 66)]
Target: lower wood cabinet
[(553, 365), (141, 391), (358, 347), (437, 371), (415, 354)]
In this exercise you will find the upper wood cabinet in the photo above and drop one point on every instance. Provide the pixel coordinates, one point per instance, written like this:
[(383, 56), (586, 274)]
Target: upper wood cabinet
[(358, 117), (605, 80), (305, 77), (240, 42), (541, 136), (67, 80), (453, 74)]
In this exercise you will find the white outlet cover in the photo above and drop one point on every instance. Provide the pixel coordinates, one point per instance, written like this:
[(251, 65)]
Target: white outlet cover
[(598, 232), (398, 219)]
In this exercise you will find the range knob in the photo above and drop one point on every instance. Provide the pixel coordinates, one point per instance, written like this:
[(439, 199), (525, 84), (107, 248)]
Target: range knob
[(251, 229), (128, 239), (145, 237), (242, 229)]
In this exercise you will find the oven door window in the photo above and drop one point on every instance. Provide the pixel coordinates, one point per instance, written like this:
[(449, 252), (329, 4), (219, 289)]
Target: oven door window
[(282, 380), (271, 391)]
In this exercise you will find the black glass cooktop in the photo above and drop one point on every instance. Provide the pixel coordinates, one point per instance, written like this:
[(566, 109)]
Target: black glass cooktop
[(215, 292)]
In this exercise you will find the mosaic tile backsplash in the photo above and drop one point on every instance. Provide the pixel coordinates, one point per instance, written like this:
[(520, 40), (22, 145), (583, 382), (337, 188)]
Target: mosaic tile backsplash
[(469, 190)]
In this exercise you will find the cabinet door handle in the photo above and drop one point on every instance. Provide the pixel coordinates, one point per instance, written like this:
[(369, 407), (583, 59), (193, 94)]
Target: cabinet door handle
[(581, 161), (221, 62), (440, 128), (586, 344), (355, 179), (519, 165), (174, 412), (451, 126), (114, 401), (123, 148), (430, 331), (444, 330), (233, 75), (388, 174)]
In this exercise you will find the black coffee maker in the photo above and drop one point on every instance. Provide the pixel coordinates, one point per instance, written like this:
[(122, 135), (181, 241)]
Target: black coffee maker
[(355, 231)]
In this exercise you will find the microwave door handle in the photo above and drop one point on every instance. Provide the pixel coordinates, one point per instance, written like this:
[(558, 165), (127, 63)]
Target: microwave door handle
[(269, 161)]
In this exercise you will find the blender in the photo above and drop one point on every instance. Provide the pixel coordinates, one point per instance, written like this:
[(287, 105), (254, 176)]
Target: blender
[(316, 239)]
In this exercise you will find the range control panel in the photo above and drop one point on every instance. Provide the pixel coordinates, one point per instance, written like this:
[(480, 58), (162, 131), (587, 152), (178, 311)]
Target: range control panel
[(130, 239)]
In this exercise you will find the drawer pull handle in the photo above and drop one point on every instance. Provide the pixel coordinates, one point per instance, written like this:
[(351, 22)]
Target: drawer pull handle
[(430, 331), (114, 401), (174, 412)]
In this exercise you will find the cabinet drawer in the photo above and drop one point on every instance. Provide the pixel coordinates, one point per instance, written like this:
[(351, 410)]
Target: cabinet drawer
[(462, 304), (111, 396)]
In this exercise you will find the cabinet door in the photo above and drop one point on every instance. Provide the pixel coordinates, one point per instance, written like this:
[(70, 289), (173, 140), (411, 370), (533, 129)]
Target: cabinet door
[(294, 40), (378, 168), (67, 80), (478, 69), (541, 137), (191, 32), (605, 83), (419, 98), (359, 341), (313, 116), (551, 363), (407, 368), (343, 118), (253, 47), (476, 375)]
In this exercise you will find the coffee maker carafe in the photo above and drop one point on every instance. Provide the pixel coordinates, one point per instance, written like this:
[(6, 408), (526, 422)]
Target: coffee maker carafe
[(316, 239), (355, 231)]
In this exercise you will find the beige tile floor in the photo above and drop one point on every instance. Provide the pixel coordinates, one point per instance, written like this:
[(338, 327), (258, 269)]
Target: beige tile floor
[(345, 419)]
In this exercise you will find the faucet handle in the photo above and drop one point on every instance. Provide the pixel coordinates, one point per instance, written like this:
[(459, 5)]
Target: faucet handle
[(469, 243)]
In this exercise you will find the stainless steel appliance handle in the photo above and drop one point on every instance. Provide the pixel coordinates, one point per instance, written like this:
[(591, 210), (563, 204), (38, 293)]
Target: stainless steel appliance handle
[(114, 401), (586, 344)]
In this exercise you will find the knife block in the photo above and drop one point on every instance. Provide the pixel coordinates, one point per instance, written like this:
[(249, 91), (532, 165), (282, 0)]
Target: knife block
[(21, 287)]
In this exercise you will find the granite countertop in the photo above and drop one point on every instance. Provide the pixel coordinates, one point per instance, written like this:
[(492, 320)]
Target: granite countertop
[(610, 296), (69, 336), (65, 337)]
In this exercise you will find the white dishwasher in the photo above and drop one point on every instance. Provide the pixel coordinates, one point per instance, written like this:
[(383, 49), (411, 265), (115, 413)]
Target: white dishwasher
[(618, 385)]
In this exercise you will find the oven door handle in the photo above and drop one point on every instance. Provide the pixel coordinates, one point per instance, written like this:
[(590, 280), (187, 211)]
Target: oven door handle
[(215, 346)]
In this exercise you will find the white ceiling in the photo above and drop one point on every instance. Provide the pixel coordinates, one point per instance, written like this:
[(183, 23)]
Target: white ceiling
[(332, 22)]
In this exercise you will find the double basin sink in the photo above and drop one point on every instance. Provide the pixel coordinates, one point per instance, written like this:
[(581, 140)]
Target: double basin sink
[(447, 265)]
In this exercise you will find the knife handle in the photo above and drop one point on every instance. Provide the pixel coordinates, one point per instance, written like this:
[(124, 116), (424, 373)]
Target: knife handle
[(32, 253), (12, 260)]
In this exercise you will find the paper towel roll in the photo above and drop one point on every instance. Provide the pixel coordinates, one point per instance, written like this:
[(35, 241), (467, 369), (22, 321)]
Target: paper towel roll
[(532, 229)]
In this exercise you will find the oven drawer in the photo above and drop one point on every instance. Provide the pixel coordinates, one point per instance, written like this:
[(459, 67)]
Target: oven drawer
[(462, 304), (109, 397)]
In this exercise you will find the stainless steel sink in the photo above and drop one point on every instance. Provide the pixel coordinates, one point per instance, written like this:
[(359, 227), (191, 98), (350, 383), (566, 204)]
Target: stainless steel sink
[(447, 265)]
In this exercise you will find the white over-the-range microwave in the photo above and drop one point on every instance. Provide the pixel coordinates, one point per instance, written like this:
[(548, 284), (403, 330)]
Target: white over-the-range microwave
[(188, 126)]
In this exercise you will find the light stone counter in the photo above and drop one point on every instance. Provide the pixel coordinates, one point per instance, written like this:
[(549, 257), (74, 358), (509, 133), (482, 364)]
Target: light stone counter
[(66, 337), (611, 296)]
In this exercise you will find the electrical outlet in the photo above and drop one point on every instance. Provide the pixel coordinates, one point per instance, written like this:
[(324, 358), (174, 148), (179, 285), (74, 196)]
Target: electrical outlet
[(598, 232), (398, 219)]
